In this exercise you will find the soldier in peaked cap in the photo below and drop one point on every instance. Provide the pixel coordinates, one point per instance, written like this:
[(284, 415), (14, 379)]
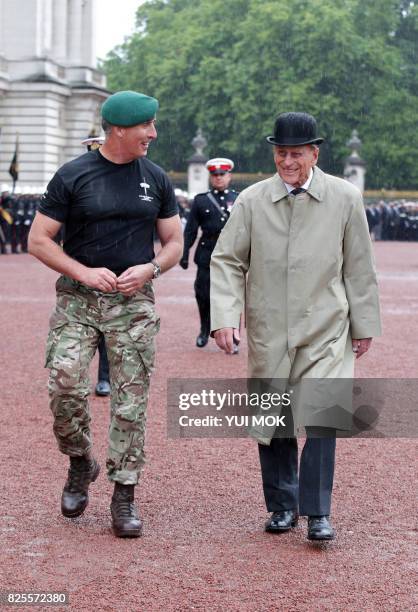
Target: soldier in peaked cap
[(210, 211), (298, 251), (93, 142), (111, 200)]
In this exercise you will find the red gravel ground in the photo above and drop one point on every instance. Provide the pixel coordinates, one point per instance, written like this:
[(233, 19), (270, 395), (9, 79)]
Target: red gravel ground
[(203, 546)]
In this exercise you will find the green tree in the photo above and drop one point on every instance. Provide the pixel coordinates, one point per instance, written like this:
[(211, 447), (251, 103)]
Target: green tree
[(230, 67)]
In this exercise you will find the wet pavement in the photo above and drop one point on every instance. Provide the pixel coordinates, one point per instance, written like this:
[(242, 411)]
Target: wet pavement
[(203, 546)]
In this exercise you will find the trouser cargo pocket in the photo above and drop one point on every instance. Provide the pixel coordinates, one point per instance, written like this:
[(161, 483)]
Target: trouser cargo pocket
[(143, 335), (51, 344)]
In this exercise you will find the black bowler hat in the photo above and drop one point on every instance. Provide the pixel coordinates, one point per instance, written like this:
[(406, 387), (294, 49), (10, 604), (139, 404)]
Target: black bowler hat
[(294, 130)]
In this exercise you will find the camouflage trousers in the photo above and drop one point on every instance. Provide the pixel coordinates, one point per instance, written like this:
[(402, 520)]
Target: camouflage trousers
[(129, 325)]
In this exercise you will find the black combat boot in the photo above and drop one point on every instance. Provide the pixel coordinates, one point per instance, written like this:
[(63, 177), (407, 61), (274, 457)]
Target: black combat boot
[(125, 520), (75, 495)]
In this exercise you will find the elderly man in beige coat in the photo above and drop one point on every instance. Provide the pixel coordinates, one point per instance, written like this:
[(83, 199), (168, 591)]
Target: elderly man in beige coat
[(296, 253)]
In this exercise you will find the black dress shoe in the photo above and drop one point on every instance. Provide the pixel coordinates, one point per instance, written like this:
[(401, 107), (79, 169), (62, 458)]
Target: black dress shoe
[(282, 521), (102, 388), (319, 528), (75, 495), (202, 340)]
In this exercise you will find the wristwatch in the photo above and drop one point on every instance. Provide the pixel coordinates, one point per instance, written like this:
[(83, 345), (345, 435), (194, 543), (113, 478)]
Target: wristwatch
[(157, 269)]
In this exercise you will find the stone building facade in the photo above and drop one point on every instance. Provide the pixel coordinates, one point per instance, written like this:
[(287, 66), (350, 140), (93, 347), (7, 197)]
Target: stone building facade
[(50, 88)]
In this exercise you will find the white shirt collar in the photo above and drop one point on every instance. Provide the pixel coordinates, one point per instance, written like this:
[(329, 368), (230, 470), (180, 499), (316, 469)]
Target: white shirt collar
[(304, 186)]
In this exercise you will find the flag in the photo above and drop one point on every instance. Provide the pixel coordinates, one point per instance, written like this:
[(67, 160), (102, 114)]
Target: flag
[(14, 165)]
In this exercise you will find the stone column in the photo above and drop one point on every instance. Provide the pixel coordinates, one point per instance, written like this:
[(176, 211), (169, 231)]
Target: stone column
[(197, 174), (1, 28), (46, 26), (88, 39), (75, 31), (82, 111), (20, 27), (355, 167), (59, 31)]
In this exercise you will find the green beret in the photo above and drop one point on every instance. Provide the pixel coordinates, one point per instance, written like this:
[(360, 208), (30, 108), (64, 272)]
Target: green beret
[(127, 108)]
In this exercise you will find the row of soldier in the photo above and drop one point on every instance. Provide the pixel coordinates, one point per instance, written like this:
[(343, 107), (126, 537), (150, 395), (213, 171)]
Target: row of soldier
[(396, 220), (16, 215)]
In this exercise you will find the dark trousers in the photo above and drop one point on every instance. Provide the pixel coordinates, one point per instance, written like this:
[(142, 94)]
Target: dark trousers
[(310, 493), (24, 234), (103, 373), (202, 293), (4, 234), (15, 237)]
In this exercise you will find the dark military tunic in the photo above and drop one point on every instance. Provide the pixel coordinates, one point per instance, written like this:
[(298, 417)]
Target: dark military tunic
[(211, 218)]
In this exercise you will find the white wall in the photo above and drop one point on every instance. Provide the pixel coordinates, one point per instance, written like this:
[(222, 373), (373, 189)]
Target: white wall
[(50, 92)]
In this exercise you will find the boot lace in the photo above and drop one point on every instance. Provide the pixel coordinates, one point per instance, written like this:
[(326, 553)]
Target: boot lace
[(78, 478), (125, 508)]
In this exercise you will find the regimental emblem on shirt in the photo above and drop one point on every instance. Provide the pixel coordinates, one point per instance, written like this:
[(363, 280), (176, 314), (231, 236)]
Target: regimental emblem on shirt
[(144, 196)]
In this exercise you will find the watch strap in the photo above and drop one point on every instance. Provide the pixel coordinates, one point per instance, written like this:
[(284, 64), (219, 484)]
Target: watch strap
[(157, 269)]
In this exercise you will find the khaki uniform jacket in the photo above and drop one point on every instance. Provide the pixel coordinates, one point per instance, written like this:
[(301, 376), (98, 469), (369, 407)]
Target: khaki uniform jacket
[(302, 268)]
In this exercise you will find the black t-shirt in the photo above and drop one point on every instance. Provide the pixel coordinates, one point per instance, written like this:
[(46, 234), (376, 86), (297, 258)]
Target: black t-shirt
[(109, 210)]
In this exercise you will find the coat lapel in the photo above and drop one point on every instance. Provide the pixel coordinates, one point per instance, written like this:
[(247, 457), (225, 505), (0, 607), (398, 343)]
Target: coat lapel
[(317, 186), (278, 189)]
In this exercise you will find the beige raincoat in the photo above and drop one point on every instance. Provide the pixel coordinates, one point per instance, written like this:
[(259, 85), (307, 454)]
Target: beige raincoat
[(302, 267)]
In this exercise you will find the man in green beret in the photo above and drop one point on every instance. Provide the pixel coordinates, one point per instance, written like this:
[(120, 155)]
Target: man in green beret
[(111, 200)]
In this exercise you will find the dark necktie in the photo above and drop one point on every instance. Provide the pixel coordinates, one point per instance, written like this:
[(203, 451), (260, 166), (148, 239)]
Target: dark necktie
[(298, 190)]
